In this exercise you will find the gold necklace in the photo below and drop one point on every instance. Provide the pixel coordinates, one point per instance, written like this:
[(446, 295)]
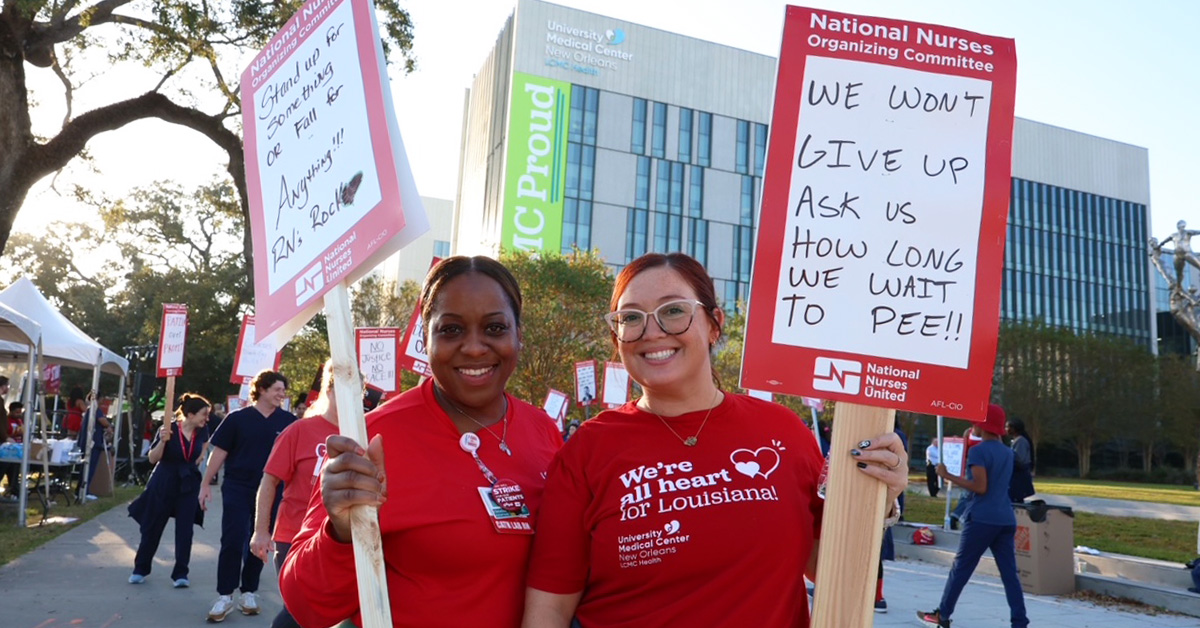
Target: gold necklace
[(504, 417), (693, 439)]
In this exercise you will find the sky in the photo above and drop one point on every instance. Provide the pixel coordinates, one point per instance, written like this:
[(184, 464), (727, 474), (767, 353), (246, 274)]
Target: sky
[(1123, 70)]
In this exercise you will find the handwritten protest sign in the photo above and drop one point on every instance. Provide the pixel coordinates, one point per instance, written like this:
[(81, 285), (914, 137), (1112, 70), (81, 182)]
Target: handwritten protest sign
[(556, 406), (252, 355), (331, 193), (953, 449), (877, 271), (377, 356), (616, 384), (414, 358), (171, 340), (585, 383)]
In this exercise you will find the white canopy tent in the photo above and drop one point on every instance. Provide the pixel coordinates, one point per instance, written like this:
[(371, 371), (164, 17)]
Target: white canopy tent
[(66, 344), (20, 336)]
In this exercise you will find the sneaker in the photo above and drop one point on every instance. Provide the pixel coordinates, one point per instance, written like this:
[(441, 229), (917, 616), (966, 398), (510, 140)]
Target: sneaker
[(249, 603), (182, 583), (933, 618), (136, 578), (881, 605), (220, 608), (90, 497)]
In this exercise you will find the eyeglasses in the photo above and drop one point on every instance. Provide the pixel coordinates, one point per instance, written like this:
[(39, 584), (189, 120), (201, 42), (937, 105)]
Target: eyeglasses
[(674, 318)]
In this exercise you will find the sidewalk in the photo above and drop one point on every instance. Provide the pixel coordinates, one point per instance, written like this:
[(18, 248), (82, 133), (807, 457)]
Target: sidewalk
[(79, 581)]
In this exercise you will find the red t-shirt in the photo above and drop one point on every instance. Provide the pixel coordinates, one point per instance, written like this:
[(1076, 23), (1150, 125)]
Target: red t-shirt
[(656, 533), (445, 562), (294, 460)]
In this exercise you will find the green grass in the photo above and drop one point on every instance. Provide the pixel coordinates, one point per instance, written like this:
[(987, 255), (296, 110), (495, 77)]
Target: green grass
[(1158, 493), (1149, 538), (16, 541)]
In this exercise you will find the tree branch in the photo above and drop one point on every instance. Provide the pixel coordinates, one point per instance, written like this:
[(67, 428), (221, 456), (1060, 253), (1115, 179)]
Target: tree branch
[(44, 35)]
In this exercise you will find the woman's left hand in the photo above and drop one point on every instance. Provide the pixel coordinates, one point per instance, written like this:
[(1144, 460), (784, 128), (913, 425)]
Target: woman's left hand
[(885, 459)]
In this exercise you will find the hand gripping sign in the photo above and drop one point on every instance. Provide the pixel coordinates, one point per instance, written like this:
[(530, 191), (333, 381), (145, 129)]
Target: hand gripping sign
[(331, 196), (880, 242)]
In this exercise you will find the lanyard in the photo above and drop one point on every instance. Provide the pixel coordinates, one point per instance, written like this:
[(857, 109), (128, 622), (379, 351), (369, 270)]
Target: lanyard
[(187, 450), (470, 444)]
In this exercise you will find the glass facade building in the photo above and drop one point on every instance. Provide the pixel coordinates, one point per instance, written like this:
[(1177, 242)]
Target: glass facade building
[(665, 152), (1076, 260)]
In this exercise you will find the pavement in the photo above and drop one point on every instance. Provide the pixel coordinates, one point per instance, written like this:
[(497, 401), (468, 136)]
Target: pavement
[(79, 580)]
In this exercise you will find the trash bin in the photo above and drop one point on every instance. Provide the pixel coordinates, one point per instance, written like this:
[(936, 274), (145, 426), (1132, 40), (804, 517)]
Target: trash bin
[(1045, 543)]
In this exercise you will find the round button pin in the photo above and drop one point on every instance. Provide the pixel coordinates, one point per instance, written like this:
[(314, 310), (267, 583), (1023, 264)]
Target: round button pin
[(469, 442), (508, 495)]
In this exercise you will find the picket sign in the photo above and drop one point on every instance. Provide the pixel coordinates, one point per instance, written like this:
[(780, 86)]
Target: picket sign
[(364, 520), (879, 250)]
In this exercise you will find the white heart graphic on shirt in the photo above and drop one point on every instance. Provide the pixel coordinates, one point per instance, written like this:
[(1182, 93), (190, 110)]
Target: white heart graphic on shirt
[(672, 527), (747, 469), (751, 463)]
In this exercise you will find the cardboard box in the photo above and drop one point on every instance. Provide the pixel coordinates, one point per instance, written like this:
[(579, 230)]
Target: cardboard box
[(1045, 544), (37, 450)]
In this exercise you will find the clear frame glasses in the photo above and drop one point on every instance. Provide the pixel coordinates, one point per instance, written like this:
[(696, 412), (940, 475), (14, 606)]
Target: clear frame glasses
[(673, 317)]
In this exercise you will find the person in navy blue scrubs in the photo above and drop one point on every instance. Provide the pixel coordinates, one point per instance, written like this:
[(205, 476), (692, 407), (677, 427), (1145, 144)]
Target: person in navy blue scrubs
[(173, 489), (242, 445)]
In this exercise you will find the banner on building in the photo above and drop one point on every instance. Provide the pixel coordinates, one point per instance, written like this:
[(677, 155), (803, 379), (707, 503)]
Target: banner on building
[(884, 205), (535, 174)]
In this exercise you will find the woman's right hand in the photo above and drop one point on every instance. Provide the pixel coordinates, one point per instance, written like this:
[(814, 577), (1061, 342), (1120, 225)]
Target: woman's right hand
[(164, 432), (352, 477)]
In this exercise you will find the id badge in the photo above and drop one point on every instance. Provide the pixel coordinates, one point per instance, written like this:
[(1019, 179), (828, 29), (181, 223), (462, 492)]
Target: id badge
[(506, 508)]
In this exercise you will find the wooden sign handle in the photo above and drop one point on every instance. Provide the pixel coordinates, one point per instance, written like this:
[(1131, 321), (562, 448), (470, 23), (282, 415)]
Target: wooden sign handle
[(364, 520), (852, 528)]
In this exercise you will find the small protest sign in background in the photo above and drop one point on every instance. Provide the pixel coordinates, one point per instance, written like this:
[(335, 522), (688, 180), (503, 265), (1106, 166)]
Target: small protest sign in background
[(377, 357), (172, 340)]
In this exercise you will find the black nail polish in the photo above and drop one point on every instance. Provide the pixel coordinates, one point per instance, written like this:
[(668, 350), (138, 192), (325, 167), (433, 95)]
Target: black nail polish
[(861, 465), (855, 452), (864, 444)]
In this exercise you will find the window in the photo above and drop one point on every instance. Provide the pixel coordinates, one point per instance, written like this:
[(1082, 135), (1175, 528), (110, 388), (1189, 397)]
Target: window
[(760, 148), (668, 233), (577, 225), (662, 186), (747, 204), (743, 246), (658, 142), (698, 240), (441, 248), (635, 244), (696, 194), (676, 201), (591, 108), (638, 142), (685, 135), (742, 156), (642, 199), (704, 140)]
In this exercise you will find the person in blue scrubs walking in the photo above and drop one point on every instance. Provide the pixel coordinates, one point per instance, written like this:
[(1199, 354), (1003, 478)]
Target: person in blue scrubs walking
[(242, 444), (988, 523)]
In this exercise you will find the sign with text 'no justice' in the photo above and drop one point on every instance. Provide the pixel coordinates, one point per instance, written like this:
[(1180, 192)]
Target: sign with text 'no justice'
[(885, 197), (377, 359), (331, 192), (172, 339)]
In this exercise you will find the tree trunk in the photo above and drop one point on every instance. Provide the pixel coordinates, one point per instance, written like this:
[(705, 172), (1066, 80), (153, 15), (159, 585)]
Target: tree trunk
[(1147, 457), (15, 134), (1083, 449)]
